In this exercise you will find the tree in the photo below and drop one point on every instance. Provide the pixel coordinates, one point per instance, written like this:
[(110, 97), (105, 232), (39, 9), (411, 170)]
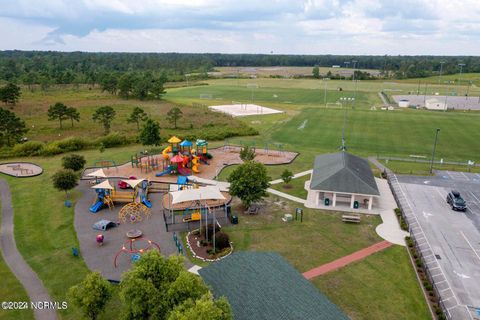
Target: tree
[(150, 134), (157, 89), (173, 115), (287, 176), (204, 308), (59, 112), (109, 83), (10, 94), (247, 153), (65, 180), (74, 162), (73, 114), (157, 285), (137, 115), (12, 128), (125, 85), (316, 72), (249, 181), (105, 116), (91, 295)]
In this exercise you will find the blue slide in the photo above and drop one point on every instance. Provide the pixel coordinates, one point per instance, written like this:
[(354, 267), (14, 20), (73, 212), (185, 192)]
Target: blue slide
[(97, 206), (145, 201), (168, 170)]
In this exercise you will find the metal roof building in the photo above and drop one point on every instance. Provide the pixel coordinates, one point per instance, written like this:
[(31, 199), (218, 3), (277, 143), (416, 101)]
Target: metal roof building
[(343, 177), (263, 285)]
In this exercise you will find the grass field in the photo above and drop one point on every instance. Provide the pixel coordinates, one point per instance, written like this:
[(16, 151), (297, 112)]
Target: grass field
[(285, 71), (33, 108), (382, 286), (296, 187)]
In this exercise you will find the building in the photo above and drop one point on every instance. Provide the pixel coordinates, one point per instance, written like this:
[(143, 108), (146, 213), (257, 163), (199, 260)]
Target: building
[(342, 178), (404, 103), (263, 285), (435, 104)]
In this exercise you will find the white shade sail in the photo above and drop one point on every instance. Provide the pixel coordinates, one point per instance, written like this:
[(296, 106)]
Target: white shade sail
[(99, 174), (133, 183), (103, 185), (202, 193)]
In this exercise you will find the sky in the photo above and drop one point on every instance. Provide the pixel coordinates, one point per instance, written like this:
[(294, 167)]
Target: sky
[(352, 27)]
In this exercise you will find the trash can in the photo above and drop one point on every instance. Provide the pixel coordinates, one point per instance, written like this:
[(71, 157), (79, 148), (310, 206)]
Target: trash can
[(355, 204), (327, 201), (234, 219)]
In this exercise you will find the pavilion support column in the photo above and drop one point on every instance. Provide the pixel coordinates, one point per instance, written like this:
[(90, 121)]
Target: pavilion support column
[(370, 203), (317, 198), (334, 201), (352, 201)]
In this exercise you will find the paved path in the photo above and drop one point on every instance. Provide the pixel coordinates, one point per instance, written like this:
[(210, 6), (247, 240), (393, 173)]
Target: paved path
[(342, 262), (32, 284), (286, 196), (297, 175)]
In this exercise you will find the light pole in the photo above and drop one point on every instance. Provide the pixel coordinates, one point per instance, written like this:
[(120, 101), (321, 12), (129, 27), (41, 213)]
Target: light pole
[(353, 76), (355, 94), (434, 148), (325, 91), (441, 70), (461, 65)]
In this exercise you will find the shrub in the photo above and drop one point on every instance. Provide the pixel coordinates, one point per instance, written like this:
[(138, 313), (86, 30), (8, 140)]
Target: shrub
[(210, 230), (113, 140), (51, 149), (73, 161), (30, 148), (72, 144), (208, 155), (398, 211), (222, 240)]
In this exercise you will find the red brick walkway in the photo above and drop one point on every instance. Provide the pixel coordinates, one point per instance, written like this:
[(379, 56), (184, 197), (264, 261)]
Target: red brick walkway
[(343, 261)]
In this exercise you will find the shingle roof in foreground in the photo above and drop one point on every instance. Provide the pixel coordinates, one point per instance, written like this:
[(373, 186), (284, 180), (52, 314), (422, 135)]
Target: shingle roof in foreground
[(263, 285), (343, 172)]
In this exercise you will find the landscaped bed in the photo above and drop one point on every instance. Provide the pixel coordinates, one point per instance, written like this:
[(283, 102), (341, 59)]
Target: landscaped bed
[(203, 249)]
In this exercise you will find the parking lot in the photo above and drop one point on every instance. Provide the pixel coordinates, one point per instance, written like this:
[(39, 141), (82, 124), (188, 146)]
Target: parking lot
[(450, 238)]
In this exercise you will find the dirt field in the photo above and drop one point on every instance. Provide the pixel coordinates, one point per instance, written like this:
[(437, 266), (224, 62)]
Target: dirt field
[(20, 169)]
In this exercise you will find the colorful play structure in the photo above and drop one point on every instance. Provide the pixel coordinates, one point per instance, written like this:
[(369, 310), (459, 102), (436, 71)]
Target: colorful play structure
[(107, 195), (134, 247)]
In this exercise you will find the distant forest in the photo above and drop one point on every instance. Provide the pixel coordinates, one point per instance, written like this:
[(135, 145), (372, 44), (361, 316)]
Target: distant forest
[(47, 67)]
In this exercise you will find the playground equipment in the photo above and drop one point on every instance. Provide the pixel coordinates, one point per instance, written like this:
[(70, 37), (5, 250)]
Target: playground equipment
[(195, 164), (102, 189), (202, 150), (131, 248), (133, 212), (123, 185), (166, 151), (103, 225)]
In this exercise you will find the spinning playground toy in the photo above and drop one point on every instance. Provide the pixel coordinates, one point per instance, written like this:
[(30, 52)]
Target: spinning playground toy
[(130, 248)]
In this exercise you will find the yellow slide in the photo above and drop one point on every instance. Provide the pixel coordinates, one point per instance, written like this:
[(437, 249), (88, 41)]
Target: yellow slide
[(195, 164), (166, 151)]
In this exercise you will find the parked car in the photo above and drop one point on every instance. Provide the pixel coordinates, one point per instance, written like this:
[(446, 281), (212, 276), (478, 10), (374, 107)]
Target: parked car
[(455, 200)]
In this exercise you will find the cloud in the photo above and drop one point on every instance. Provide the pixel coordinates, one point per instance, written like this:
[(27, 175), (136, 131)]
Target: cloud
[(282, 26)]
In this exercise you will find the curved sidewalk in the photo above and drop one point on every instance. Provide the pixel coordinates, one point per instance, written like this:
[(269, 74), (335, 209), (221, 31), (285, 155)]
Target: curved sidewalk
[(30, 281)]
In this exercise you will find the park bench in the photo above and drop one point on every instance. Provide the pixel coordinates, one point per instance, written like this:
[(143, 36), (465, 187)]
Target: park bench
[(252, 210), (351, 218)]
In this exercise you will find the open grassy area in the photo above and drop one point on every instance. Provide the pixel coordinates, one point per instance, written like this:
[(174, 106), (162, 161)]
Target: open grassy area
[(382, 286), (33, 108), (296, 187)]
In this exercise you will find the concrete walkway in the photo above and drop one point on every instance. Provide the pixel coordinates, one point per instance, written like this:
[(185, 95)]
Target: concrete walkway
[(346, 260), (297, 175), (286, 196), (30, 281)]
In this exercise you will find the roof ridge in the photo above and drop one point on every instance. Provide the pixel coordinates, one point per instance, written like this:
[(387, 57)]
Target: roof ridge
[(363, 181)]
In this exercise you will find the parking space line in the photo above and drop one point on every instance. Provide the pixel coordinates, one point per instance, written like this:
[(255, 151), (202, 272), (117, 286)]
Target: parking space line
[(473, 195), (465, 176), (471, 247)]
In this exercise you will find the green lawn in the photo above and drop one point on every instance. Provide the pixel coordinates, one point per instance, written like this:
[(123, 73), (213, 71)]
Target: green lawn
[(382, 286), (296, 187), (423, 169)]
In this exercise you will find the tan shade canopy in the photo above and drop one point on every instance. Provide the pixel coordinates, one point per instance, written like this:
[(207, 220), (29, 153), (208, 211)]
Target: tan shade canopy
[(202, 193), (174, 140), (133, 183), (99, 174), (103, 185)]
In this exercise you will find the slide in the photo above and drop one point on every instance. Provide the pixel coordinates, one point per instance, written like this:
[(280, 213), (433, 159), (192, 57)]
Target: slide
[(145, 201), (166, 151), (167, 171), (97, 206), (195, 164), (183, 171)]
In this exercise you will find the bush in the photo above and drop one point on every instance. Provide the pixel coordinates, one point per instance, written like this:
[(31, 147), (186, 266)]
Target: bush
[(222, 240), (51, 149), (398, 211), (210, 230), (113, 140), (30, 148), (73, 161), (72, 144)]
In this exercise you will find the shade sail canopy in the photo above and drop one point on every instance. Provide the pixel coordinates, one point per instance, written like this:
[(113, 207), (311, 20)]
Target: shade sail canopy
[(99, 174), (133, 183), (177, 159), (174, 140), (202, 193), (186, 143), (103, 185)]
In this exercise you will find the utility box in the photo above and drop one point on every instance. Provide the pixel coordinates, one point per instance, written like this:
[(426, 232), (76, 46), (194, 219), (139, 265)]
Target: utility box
[(327, 201), (355, 204), (234, 219)]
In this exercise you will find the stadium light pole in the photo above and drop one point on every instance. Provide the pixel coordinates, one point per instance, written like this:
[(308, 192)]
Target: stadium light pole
[(355, 94), (441, 71), (434, 148), (353, 76), (461, 65)]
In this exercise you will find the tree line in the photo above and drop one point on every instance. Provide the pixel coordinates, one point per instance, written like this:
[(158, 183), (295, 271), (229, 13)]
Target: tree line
[(46, 68)]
